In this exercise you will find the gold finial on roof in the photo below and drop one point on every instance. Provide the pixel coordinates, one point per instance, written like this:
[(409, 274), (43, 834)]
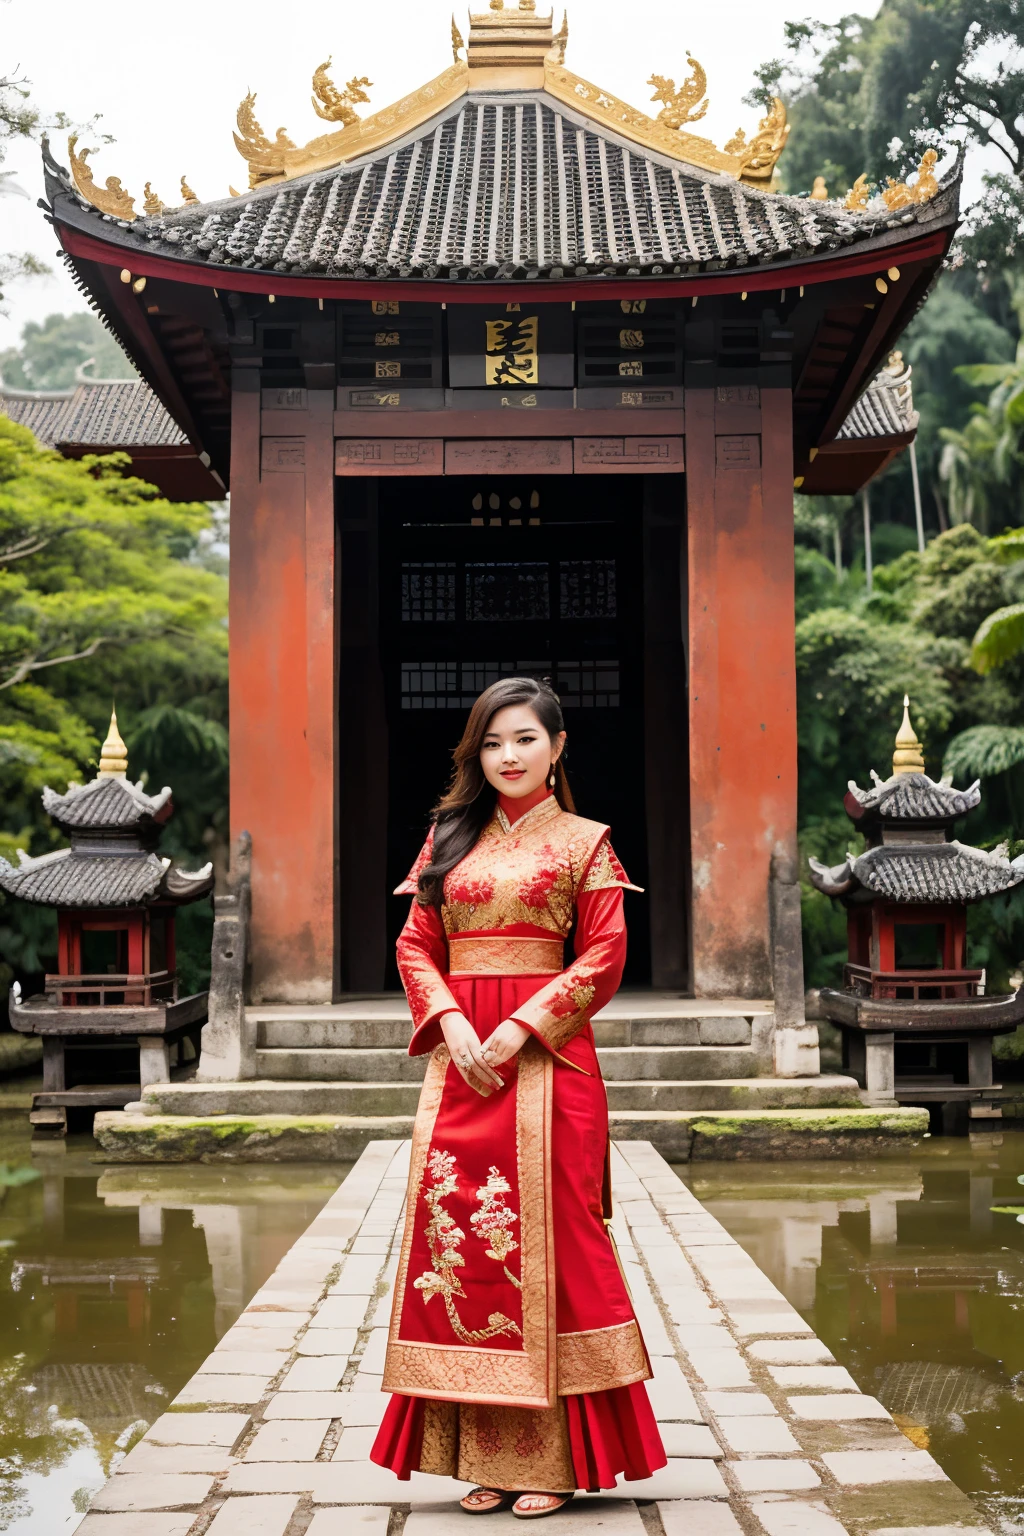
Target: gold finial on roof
[(857, 197), (187, 193), (457, 40), (908, 757), (689, 103), (152, 203), (561, 40), (898, 194), (114, 753), (336, 106), (110, 198), (819, 192)]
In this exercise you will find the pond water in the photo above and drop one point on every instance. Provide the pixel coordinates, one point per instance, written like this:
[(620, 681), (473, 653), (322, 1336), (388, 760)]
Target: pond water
[(904, 1269), (115, 1284)]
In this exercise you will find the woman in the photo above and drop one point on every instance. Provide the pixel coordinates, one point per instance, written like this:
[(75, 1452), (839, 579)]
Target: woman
[(514, 1354)]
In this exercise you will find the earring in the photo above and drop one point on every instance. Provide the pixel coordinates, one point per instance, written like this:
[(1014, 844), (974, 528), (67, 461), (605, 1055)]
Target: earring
[(551, 777)]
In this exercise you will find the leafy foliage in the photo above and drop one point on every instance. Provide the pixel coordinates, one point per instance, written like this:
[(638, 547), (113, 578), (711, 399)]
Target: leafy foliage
[(105, 595), (856, 656)]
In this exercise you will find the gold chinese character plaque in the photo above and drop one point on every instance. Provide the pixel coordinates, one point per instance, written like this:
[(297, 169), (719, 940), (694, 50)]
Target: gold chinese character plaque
[(511, 355)]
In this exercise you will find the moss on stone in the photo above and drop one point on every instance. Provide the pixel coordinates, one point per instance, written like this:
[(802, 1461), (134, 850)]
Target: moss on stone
[(895, 1122)]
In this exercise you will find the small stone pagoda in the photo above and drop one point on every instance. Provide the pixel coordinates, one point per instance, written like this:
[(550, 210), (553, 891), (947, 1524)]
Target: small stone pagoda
[(116, 985), (915, 1020)]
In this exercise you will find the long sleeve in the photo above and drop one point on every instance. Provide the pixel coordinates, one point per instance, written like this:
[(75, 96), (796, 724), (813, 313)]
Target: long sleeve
[(422, 954), (561, 1008)]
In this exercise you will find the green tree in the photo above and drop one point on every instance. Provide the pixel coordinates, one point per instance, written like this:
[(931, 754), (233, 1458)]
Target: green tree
[(64, 348), (104, 595)]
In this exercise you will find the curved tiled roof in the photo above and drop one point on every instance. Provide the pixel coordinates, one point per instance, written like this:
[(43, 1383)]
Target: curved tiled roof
[(885, 409), (106, 803), (927, 872), (107, 413), (916, 797), (70, 879), (518, 186)]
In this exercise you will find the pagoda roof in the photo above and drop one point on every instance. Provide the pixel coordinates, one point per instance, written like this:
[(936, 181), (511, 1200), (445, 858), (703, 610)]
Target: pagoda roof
[(886, 408), (116, 415), (911, 797), (921, 872), (74, 877), (100, 414), (505, 186), (106, 803)]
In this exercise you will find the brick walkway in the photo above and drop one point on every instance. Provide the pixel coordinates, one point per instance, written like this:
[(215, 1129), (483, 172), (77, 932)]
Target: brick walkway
[(765, 1433)]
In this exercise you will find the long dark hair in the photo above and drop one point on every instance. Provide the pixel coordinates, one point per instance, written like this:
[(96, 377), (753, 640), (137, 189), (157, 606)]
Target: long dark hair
[(468, 804)]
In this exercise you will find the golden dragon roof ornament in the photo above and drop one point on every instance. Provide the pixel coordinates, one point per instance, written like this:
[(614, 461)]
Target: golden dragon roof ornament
[(689, 103), (111, 198), (510, 48), (336, 106)]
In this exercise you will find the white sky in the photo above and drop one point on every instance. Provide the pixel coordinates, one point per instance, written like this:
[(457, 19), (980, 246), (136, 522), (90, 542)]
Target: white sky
[(168, 78)]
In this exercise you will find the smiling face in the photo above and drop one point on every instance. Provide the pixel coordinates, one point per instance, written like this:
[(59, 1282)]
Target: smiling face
[(517, 753)]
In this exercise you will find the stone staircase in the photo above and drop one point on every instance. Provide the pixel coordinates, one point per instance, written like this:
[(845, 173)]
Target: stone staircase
[(661, 1055)]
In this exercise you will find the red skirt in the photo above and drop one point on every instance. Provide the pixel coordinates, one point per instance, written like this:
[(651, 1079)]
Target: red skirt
[(601, 1435)]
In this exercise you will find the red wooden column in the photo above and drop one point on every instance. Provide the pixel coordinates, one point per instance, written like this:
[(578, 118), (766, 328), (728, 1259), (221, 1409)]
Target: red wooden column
[(742, 677), (282, 681)]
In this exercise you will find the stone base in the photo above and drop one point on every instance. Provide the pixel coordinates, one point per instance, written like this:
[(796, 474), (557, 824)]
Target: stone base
[(726, 1135)]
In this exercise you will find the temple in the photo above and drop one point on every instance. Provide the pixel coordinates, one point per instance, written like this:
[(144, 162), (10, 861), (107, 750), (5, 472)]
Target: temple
[(917, 1022), (110, 1017), (511, 376)]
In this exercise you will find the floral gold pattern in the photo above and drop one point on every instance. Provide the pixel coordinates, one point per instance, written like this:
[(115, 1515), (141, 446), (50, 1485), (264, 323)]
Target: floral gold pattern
[(446, 1237), (515, 1448), (492, 955), (600, 1359), (523, 1375)]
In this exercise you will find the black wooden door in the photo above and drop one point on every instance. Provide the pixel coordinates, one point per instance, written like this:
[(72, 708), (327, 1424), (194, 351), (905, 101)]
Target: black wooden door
[(518, 575)]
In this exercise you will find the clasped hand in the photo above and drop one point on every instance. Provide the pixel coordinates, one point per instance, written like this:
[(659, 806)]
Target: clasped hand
[(475, 1061)]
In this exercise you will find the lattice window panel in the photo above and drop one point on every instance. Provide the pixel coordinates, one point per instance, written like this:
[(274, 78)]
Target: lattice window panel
[(507, 592), (587, 684), (586, 589), (458, 684), (428, 591)]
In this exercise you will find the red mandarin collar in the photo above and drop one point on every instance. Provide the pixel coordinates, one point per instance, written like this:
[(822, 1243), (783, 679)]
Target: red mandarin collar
[(514, 808)]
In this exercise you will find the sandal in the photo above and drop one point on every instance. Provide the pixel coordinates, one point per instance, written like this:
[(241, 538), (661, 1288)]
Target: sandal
[(555, 1502), (486, 1501)]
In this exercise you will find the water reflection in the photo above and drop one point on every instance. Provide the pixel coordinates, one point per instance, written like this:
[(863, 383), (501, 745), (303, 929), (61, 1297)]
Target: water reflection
[(118, 1281), (915, 1284)]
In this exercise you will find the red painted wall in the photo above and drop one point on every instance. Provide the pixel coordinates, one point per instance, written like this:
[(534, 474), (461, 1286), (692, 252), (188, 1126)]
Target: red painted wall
[(282, 692), (742, 677)]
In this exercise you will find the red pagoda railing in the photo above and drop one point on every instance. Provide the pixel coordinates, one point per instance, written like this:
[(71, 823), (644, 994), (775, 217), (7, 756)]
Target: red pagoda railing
[(112, 990), (913, 986)]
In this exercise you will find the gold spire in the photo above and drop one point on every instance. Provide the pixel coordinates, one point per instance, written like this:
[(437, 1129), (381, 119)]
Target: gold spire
[(908, 757), (114, 753)]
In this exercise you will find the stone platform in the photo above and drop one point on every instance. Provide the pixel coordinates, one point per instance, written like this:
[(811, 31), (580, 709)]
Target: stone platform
[(766, 1434), (693, 1076)]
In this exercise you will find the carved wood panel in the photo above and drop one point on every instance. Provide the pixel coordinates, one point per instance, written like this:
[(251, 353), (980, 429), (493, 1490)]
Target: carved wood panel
[(389, 456), (738, 453), (490, 456), (628, 455), (287, 454)]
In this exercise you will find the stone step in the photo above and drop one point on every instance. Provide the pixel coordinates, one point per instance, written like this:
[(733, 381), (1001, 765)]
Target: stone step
[(375, 1100), (377, 1032), (365, 1064), (641, 1016)]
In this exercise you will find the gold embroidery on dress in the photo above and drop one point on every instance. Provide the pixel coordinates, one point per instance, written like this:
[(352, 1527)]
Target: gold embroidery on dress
[(493, 1221), (601, 1359), (445, 1237), (515, 1448)]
